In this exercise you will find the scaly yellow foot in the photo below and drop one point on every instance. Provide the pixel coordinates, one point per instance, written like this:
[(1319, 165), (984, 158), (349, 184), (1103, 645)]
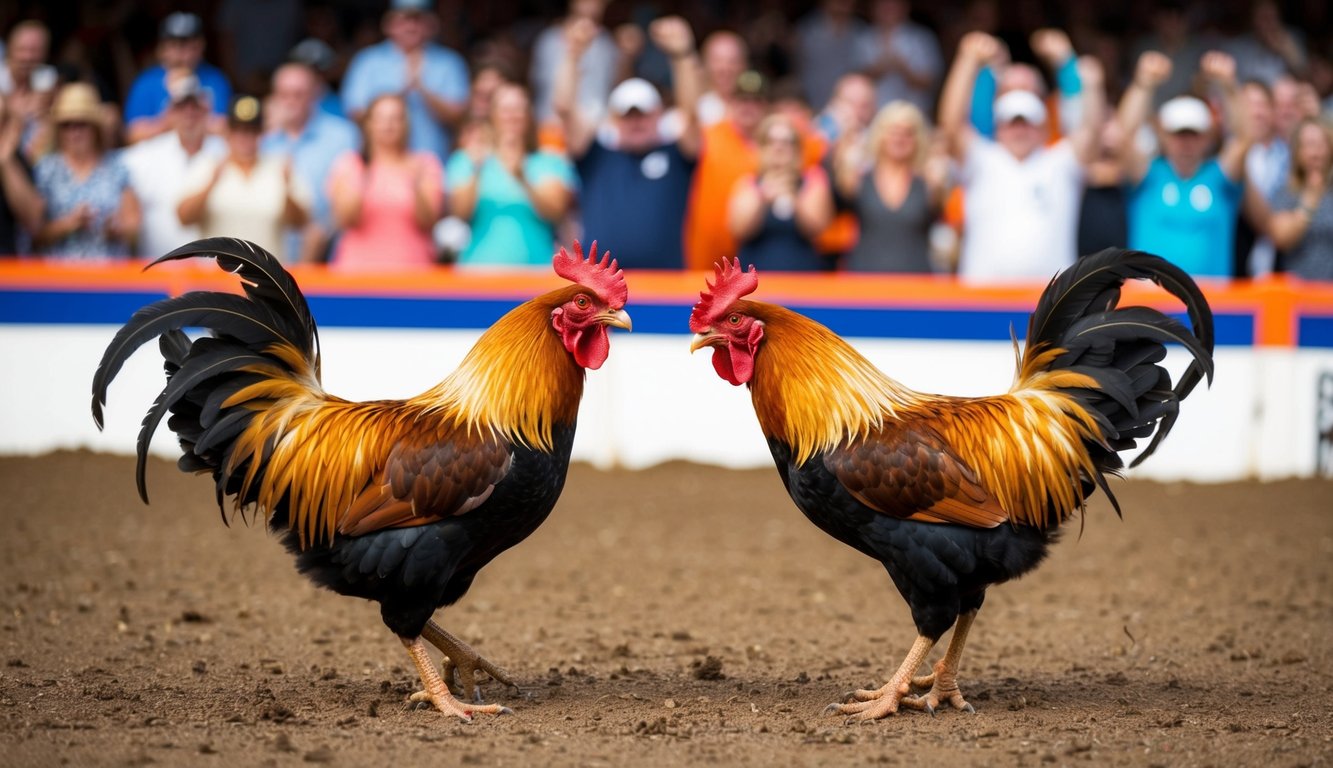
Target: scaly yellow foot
[(437, 693)]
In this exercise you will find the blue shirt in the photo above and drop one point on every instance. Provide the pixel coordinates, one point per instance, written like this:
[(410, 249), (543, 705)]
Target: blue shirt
[(635, 203), (506, 229), (1189, 222), (382, 68), (148, 95), (312, 155)]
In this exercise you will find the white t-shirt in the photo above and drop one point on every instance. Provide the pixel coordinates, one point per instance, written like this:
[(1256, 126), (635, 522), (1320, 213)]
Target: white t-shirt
[(158, 168), (1020, 218), (246, 206)]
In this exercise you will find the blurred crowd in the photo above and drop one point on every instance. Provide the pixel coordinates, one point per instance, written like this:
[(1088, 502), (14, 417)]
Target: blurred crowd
[(995, 141)]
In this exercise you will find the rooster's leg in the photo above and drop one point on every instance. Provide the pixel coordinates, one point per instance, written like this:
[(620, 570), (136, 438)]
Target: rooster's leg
[(943, 682), (437, 692), (463, 661), (872, 705)]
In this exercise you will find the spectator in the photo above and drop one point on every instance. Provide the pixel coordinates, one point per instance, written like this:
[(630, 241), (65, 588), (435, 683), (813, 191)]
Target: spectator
[(829, 41), (322, 60), (309, 139), (902, 56), (1056, 52), (21, 205), (158, 166), (1171, 35), (1103, 221), (725, 57), (635, 174), (1021, 196), (91, 212), (1302, 222), (1266, 171), (511, 194), (1269, 48), (387, 198), (596, 69), (776, 212), (243, 195), (850, 109), (255, 37), (180, 53), (895, 193), (1183, 203), (432, 79), (26, 81)]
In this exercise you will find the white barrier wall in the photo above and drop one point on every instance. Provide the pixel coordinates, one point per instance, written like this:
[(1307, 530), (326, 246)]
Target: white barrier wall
[(654, 402)]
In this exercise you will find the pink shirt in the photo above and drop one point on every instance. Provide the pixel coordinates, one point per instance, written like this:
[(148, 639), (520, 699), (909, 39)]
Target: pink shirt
[(387, 235)]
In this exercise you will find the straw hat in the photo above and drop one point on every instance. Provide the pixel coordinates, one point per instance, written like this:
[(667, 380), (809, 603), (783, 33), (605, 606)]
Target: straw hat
[(77, 103)]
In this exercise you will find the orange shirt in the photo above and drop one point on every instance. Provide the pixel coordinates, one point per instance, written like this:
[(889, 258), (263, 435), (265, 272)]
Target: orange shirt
[(726, 157)]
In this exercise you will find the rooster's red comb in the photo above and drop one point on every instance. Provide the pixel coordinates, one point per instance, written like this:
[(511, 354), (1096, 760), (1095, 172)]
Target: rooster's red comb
[(604, 277), (729, 285)]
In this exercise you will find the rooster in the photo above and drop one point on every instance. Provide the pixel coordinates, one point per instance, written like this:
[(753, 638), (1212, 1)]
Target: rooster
[(396, 501), (953, 494)]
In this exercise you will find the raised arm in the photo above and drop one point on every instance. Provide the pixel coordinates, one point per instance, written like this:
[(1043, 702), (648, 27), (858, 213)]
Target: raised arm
[(674, 37), (1085, 137), (1219, 69), (1152, 69), (1288, 228), (579, 130), (974, 51)]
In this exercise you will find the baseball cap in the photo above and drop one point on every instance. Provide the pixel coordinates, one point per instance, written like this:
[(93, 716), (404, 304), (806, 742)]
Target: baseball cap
[(1185, 113), (314, 53), (245, 112), (634, 93), (181, 26), (185, 88), (751, 84), (1020, 105)]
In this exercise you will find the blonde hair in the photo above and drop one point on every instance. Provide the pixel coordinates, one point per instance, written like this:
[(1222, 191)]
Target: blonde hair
[(1296, 178), (777, 119), (898, 111)]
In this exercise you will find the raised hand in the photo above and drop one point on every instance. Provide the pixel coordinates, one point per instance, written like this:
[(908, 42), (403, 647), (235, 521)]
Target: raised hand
[(1090, 72), (980, 48), (629, 39), (1218, 67), (673, 35), (1152, 69), (1052, 46)]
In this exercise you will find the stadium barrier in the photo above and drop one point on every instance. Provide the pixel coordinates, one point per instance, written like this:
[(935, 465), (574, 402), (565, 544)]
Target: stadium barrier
[(1269, 413)]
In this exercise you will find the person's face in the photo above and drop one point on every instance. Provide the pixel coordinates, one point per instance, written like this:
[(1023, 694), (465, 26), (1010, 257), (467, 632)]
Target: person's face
[(484, 86), (1186, 149), (27, 49), (177, 53), (1260, 109), (386, 125), (189, 115), (899, 143), (724, 61), (889, 13), (588, 9), (1021, 77), (293, 97), (409, 30), (638, 130), (1312, 150), (1020, 137), (779, 147), (78, 137), (857, 97), (1286, 104), (511, 111), (747, 112), (243, 141)]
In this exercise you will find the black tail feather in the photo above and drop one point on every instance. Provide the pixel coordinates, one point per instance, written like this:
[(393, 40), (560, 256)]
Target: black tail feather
[(202, 374), (1120, 347)]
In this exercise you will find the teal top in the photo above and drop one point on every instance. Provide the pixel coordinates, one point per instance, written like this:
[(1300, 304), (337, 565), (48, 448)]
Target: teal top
[(506, 229)]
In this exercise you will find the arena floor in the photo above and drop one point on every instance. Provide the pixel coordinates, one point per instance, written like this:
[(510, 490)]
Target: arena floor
[(679, 616)]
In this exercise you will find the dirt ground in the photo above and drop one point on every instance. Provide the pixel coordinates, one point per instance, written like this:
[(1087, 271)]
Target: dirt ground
[(679, 616)]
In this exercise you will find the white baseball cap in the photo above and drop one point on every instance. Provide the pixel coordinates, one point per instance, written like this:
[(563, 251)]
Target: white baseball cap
[(1185, 113), (634, 93), (1020, 104)]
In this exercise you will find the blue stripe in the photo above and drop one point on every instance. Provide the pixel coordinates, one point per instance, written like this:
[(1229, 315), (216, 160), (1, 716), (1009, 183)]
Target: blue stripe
[(1315, 331), (950, 323)]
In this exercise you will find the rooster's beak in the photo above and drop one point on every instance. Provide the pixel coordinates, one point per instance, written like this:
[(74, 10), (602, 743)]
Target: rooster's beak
[(618, 318), (701, 340)]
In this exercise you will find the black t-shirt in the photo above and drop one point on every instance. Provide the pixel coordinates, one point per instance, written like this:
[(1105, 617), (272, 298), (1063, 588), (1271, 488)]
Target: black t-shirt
[(9, 225)]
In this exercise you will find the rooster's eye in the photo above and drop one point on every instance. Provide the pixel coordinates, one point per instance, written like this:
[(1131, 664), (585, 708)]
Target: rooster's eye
[(734, 319), (582, 302)]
